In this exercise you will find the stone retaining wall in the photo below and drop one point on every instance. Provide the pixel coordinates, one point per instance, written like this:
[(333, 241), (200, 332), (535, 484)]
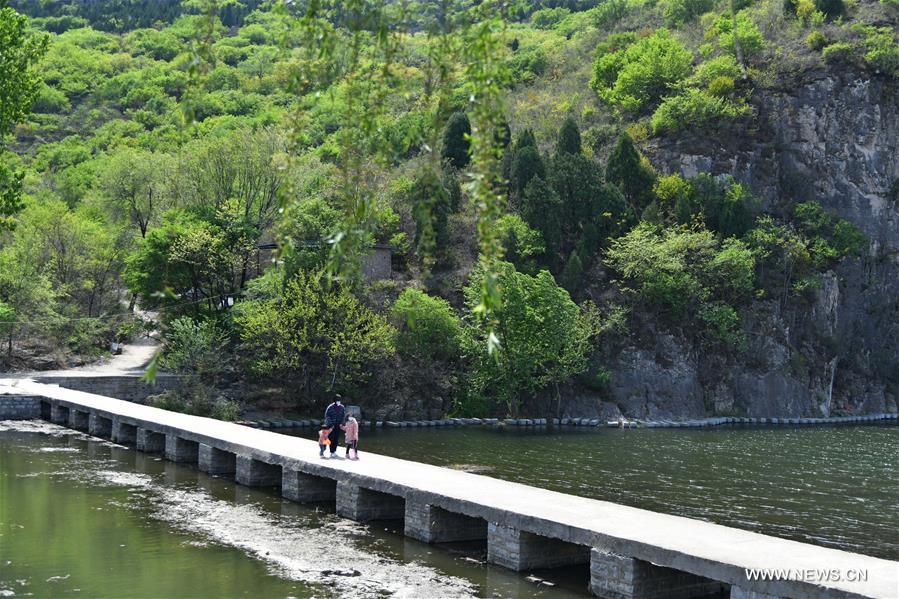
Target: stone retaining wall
[(125, 387), (19, 407)]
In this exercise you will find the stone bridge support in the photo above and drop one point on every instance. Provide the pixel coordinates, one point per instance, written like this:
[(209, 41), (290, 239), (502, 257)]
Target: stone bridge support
[(361, 504), (78, 420), (181, 450), (616, 577), (299, 486), (150, 441), (212, 460), (432, 524), (100, 426), (256, 473), (124, 433), (59, 414), (520, 550)]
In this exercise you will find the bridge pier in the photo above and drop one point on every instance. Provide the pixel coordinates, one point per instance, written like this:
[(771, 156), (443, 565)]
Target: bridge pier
[(150, 441), (617, 577), (432, 524), (99, 426), (122, 432), (181, 450), (216, 461), (78, 420), (741, 593), (362, 505), (520, 550), (59, 414), (299, 486), (256, 473)]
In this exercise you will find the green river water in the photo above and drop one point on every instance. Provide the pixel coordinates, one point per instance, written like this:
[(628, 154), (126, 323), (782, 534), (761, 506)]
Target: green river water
[(84, 518)]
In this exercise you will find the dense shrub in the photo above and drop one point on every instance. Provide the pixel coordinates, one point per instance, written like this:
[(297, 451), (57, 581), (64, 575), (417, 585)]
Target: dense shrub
[(300, 331), (678, 12), (882, 50), (838, 52), (695, 109), (815, 40), (744, 29), (642, 72), (547, 18), (427, 328), (683, 273), (196, 348)]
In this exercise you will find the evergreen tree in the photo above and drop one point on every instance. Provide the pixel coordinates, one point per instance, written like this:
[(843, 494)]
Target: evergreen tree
[(626, 170), (573, 273), (455, 140), (541, 208), (569, 138), (452, 187), (526, 164)]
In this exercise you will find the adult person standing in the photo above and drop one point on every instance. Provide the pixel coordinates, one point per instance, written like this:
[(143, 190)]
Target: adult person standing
[(335, 416)]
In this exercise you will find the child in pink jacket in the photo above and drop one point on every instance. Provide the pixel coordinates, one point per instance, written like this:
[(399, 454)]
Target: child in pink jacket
[(351, 432)]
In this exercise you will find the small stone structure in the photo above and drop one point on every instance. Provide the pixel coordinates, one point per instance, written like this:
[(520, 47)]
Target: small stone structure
[(121, 386), (20, 407), (632, 553)]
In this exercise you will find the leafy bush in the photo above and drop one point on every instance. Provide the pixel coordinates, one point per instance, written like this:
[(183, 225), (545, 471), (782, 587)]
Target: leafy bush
[(427, 328), (547, 18), (694, 108), (815, 40), (300, 331), (838, 52), (678, 270), (882, 50), (527, 64), (642, 72), (709, 70), (196, 348), (746, 31), (721, 87), (678, 12)]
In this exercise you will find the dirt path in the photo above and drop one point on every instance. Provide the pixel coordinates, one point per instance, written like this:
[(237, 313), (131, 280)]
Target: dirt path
[(134, 358)]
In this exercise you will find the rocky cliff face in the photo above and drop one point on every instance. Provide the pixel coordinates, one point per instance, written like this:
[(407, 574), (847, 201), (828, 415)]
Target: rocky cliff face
[(832, 137)]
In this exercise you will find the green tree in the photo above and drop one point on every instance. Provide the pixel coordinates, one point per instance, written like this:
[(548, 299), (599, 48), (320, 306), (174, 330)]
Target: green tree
[(455, 140), (427, 328), (22, 51), (569, 138), (136, 185), (303, 333), (542, 209), (631, 173), (642, 72), (526, 165), (185, 261), (545, 339)]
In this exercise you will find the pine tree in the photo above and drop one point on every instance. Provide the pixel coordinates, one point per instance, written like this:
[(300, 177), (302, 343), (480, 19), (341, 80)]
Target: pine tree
[(569, 138), (455, 141), (626, 170), (526, 164)]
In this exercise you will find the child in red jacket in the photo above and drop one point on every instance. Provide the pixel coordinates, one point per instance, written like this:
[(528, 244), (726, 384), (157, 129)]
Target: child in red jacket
[(323, 440)]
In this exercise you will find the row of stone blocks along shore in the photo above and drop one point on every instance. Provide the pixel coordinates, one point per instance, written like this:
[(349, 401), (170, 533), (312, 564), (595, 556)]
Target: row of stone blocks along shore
[(585, 422), (613, 575)]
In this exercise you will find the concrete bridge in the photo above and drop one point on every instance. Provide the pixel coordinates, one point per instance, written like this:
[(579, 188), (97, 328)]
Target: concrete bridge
[(632, 553)]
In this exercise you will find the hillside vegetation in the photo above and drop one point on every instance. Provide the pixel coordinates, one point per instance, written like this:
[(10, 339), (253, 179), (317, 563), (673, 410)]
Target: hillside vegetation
[(501, 153)]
